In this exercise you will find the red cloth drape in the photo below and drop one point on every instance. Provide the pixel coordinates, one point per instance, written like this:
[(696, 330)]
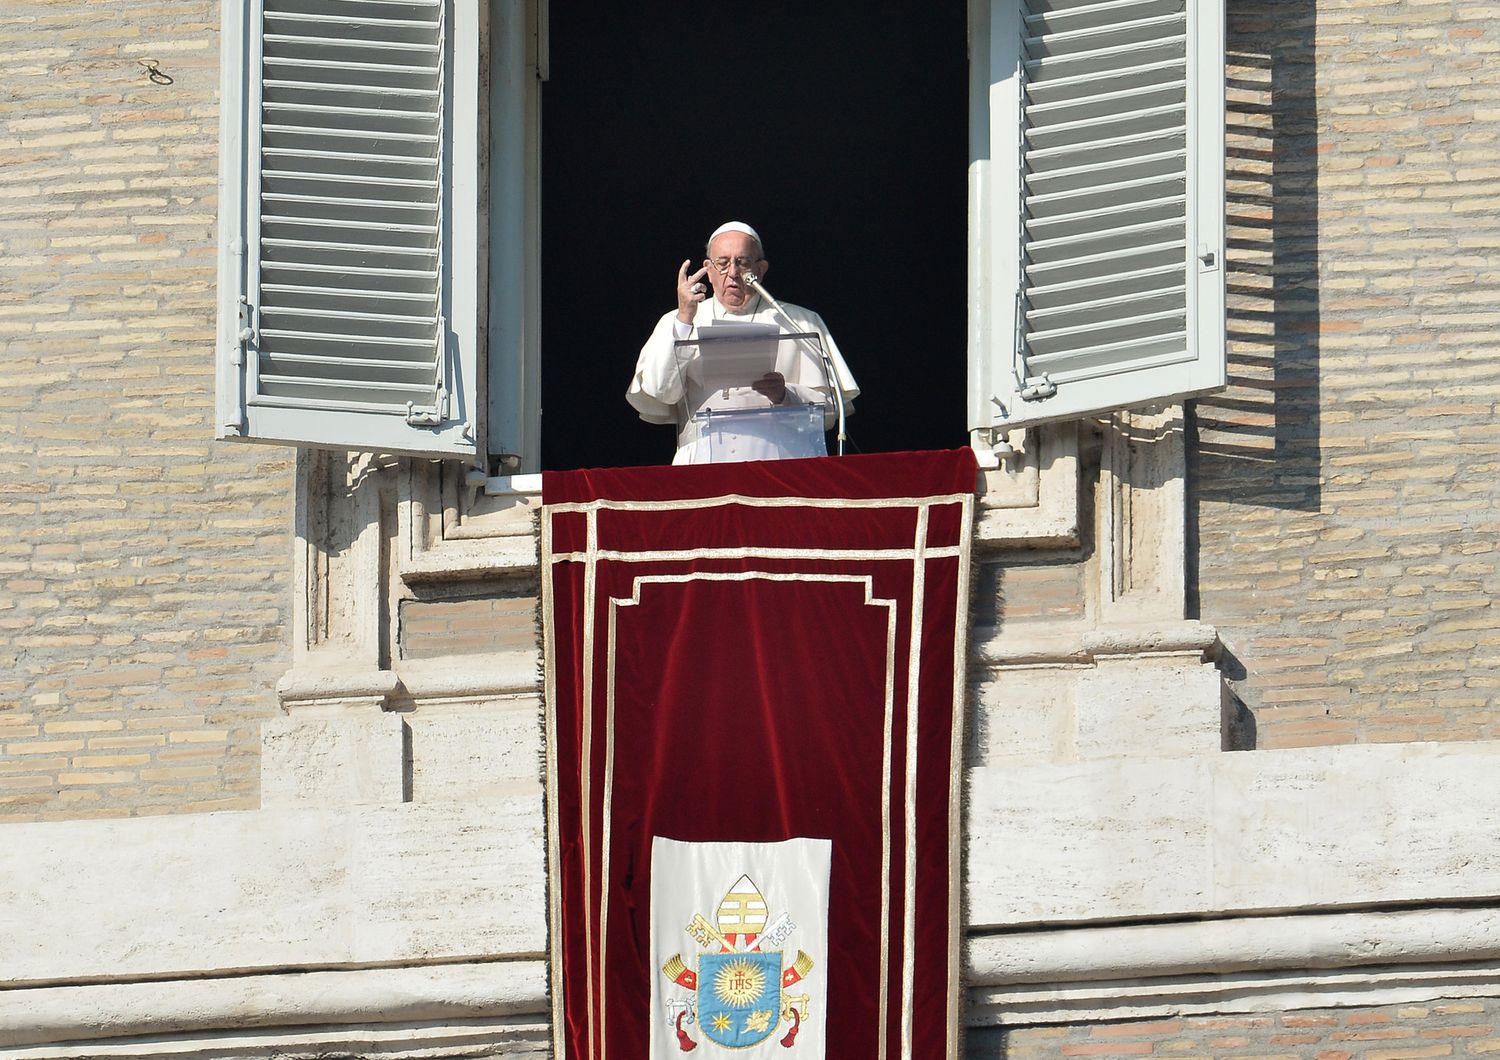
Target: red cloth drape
[(756, 652)]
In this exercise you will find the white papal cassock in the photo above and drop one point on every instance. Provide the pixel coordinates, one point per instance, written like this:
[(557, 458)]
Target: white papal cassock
[(663, 392)]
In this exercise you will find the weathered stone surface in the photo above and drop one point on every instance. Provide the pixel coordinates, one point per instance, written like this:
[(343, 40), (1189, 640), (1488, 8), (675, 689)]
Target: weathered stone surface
[(461, 757), (1312, 828), (332, 761), (272, 890), (1140, 708)]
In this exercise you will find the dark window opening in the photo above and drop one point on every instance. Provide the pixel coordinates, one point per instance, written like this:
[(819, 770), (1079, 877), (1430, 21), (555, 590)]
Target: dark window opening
[(839, 132)]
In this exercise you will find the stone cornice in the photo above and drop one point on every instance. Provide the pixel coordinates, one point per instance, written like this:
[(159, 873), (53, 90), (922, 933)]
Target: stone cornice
[(1241, 944), (995, 648), (367, 996), (1246, 964)]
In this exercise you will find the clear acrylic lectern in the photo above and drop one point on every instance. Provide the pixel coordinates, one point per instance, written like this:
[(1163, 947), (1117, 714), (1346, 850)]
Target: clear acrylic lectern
[(730, 416)]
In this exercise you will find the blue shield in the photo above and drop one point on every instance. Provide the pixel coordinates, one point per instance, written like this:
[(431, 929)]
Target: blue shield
[(739, 997)]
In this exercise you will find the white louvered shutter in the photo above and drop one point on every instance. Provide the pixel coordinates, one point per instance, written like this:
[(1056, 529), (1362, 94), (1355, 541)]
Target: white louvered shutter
[(1103, 271), (349, 274)]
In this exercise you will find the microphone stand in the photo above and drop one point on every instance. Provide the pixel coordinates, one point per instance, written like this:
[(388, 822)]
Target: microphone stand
[(829, 368)]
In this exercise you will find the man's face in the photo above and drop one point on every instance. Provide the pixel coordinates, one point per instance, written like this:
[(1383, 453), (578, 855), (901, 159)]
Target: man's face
[(733, 248)]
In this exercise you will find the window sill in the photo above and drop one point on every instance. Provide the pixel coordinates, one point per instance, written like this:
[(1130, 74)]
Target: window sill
[(453, 526)]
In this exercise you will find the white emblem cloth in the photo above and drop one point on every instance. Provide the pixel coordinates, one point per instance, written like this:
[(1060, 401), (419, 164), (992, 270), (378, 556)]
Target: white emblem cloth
[(739, 943)]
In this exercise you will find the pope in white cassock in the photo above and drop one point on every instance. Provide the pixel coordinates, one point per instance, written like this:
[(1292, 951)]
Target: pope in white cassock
[(668, 386)]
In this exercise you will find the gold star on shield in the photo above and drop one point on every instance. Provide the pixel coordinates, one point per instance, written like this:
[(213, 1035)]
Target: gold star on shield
[(721, 1022), (758, 1021)]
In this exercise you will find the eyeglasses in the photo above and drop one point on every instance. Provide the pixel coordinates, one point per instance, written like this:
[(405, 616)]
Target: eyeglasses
[(722, 264)]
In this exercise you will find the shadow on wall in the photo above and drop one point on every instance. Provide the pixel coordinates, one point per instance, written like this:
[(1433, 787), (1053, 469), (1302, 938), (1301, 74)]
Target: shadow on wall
[(1257, 441)]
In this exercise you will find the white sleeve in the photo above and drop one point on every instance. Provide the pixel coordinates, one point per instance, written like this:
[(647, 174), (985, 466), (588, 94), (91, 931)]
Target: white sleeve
[(823, 391), (656, 386)]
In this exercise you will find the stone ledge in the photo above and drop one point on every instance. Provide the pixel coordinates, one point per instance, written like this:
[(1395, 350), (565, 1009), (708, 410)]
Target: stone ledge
[(330, 692), (308, 689), (1245, 964), (453, 677), (1189, 637), (1243, 944), (993, 647), (369, 996), (453, 559), (1219, 993)]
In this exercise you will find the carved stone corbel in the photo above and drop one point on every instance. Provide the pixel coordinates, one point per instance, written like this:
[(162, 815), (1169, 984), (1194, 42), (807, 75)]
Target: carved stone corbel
[(338, 745)]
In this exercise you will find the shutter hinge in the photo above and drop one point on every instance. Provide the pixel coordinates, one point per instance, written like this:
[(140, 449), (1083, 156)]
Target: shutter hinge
[(248, 331), (1038, 388), (433, 415), (428, 415)]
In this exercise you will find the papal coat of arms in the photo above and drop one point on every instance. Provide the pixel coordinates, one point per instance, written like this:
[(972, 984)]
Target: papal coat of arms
[(740, 992)]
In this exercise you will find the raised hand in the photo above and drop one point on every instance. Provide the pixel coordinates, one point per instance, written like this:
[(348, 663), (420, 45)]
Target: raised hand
[(690, 291)]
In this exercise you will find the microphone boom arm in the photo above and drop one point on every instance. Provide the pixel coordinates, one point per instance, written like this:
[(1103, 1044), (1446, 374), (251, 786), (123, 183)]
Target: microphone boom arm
[(825, 357)]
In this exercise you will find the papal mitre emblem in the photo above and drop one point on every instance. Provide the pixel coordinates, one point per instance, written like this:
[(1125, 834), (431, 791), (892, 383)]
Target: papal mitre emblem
[(742, 913)]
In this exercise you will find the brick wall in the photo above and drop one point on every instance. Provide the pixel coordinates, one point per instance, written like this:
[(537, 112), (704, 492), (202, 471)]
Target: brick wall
[(1347, 495), (503, 618), (143, 567), (1398, 1032)]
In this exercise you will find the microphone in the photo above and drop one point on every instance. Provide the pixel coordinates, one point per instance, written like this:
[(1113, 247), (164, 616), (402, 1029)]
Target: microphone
[(752, 281)]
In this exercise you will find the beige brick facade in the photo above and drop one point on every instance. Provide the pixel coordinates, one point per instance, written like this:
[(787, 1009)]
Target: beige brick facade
[(500, 619), (1347, 499), (143, 600), (1452, 1028)]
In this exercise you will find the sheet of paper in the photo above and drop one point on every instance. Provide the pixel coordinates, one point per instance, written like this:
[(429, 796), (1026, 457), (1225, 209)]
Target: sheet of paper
[(734, 355)]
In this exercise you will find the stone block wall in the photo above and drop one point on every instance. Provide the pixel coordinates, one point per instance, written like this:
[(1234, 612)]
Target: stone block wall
[(143, 567), (1449, 1028), (1346, 494)]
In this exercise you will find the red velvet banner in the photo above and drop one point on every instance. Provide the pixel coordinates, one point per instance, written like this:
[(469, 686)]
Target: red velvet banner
[(753, 653)]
